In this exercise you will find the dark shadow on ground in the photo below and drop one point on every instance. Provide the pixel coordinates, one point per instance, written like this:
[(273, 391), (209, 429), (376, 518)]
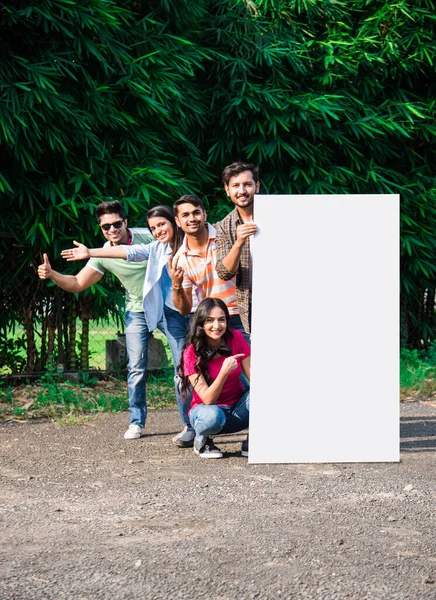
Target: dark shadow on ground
[(418, 434)]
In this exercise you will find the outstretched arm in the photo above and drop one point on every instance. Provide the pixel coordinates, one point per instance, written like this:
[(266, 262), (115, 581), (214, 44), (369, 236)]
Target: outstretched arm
[(70, 283), (81, 252), (210, 393)]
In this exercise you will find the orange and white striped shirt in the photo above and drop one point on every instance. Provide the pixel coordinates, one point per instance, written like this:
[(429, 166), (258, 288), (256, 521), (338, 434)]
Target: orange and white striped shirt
[(200, 273)]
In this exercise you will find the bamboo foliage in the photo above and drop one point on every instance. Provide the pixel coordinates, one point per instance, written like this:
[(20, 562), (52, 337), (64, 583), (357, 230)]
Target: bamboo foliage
[(97, 101), (145, 100), (333, 98)]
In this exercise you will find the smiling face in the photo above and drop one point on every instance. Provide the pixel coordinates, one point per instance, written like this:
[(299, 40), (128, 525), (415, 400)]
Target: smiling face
[(191, 218), (242, 188), (215, 326), (114, 228), (161, 229)]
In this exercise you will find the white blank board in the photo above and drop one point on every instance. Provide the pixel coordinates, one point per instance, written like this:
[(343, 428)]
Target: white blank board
[(325, 329)]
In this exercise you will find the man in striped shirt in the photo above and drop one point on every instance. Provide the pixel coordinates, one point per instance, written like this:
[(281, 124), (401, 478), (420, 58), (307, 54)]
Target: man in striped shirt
[(195, 262)]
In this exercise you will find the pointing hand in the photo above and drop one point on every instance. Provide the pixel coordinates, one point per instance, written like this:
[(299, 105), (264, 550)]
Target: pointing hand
[(231, 362)]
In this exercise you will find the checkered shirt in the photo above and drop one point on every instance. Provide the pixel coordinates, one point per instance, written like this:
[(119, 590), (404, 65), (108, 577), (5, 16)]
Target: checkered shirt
[(225, 238)]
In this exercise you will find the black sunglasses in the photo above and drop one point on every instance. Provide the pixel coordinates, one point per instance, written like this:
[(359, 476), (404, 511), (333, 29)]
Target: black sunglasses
[(223, 350), (116, 225)]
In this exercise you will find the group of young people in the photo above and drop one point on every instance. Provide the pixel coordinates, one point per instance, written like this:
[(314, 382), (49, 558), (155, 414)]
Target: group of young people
[(192, 281)]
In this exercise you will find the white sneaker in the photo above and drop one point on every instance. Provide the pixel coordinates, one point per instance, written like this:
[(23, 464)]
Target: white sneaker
[(133, 432)]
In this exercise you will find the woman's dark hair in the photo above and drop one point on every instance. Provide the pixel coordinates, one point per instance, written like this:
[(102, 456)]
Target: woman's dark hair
[(197, 338), (167, 213)]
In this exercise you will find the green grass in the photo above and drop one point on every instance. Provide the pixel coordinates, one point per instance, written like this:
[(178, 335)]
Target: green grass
[(69, 403), (418, 374), (98, 334), (72, 403)]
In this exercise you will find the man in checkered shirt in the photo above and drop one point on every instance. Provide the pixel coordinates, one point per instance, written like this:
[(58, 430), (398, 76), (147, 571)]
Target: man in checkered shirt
[(241, 183)]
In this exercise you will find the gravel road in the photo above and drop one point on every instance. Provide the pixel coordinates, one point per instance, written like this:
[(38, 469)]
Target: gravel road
[(89, 515)]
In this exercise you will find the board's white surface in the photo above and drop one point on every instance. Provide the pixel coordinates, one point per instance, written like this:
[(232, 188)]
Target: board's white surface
[(325, 329)]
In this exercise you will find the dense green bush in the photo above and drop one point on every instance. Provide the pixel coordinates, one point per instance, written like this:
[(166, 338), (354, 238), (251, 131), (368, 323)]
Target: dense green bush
[(144, 100), (97, 101), (332, 97)]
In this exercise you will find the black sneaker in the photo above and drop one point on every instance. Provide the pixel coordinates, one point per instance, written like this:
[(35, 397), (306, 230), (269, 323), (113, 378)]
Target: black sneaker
[(208, 450), (244, 447)]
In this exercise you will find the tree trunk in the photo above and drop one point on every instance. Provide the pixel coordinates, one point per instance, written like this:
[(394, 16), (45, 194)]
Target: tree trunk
[(61, 354), (51, 335), (73, 333), (84, 348), (32, 354)]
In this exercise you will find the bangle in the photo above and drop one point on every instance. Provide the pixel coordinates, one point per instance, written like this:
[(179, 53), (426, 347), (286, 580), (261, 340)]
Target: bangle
[(179, 287)]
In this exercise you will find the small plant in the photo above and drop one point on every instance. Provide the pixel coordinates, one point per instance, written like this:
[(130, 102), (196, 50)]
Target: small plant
[(417, 374), (86, 379), (73, 418), (12, 354), (429, 355), (18, 411), (6, 394)]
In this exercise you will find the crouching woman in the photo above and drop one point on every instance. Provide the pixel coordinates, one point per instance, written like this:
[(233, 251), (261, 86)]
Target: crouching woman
[(212, 362)]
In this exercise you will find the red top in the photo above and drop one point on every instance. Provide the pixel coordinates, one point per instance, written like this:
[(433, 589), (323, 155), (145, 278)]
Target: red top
[(232, 388)]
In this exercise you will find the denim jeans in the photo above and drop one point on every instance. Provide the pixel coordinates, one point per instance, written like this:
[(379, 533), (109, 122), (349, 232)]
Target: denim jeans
[(236, 323), (175, 326), (210, 419), (137, 337)]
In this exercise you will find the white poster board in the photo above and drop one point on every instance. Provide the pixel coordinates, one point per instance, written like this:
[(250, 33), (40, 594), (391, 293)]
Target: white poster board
[(325, 329)]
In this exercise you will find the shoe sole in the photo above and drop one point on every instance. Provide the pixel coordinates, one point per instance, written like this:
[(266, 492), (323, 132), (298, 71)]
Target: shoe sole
[(132, 436), (202, 455), (211, 455), (244, 453)]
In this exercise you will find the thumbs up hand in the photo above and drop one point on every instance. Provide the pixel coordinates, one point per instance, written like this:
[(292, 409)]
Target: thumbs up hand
[(44, 270)]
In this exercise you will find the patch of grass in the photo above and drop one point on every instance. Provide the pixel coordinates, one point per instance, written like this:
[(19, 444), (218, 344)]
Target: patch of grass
[(160, 389), (98, 334), (71, 403), (417, 374), (73, 419)]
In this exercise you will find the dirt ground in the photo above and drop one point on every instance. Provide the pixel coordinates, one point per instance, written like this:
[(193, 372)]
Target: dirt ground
[(87, 514)]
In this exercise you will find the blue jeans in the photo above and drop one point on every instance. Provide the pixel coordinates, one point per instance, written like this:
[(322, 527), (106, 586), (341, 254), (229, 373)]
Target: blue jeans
[(137, 337), (210, 419), (236, 323), (175, 326)]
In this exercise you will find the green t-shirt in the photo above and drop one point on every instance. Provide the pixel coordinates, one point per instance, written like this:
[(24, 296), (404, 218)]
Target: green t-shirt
[(130, 274)]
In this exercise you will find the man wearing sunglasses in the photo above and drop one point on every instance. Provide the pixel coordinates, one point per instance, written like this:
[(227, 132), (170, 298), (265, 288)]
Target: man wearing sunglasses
[(112, 219)]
